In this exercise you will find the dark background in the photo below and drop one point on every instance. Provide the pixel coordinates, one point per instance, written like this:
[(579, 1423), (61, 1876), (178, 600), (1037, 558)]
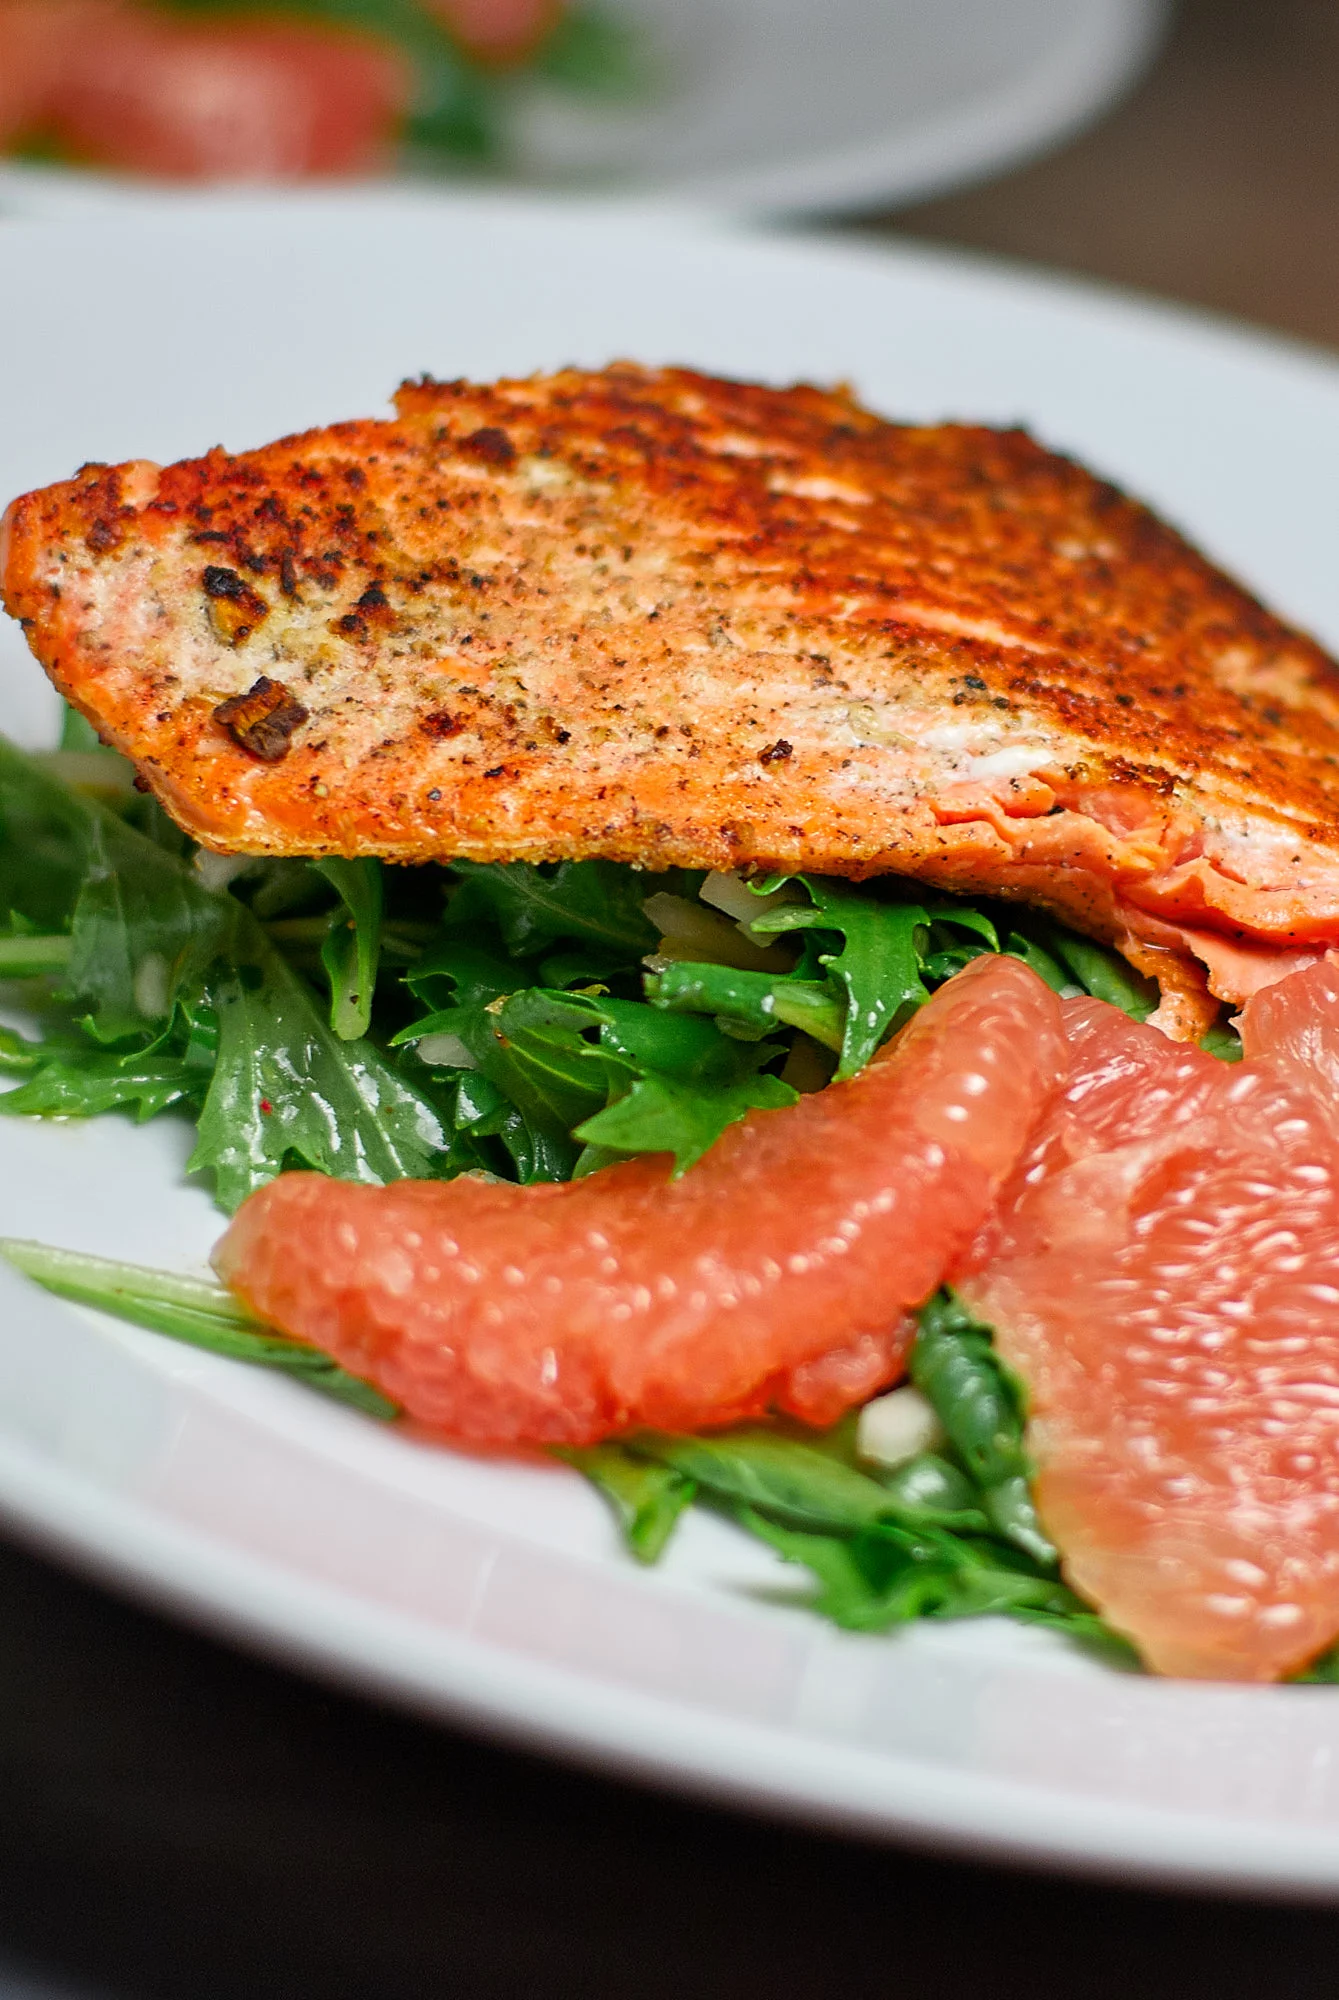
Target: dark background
[(180, 1821), (177, 1820)]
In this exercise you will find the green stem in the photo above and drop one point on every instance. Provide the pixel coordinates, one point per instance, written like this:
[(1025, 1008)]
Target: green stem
[(192, 1310), (33, 957), (689, 987), (402, 941), (52, 1267), (823, 1019)]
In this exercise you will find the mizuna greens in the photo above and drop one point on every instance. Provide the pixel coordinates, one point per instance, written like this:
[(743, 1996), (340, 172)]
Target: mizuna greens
[(534, 1023)]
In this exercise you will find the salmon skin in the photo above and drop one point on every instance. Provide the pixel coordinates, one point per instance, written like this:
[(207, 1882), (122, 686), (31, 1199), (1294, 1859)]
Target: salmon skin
[(668, 619)]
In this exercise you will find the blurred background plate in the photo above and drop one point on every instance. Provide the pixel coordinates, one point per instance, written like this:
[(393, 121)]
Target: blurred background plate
[(785, 107)]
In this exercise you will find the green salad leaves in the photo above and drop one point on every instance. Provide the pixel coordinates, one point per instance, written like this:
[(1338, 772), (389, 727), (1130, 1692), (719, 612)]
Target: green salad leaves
[(172, 993), (376, 1022), (191, 1310), (534, 1023), (949, 1535)]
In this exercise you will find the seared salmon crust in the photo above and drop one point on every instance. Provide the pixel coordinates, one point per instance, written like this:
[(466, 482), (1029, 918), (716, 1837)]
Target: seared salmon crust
[(669, 619)]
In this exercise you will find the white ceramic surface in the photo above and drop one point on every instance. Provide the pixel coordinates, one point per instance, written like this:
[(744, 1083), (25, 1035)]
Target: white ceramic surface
[(496, 1592), (782, 106)]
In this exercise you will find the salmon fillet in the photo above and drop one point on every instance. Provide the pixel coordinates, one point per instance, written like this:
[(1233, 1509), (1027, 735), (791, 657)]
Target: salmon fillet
[(668, 619)]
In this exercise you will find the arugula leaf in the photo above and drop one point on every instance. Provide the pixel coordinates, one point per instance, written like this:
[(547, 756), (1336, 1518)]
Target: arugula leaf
[(647, 1499), (536, 1049), (693, 1083), (760, 1000), (88, 1083), (927, 1491), (977, 1577), (1102, 972), (44, 835), (458, 971), (140, 924), (1322, 1672), (679, 1045), (878, 965), (981, 1407), (191, 1310), (77, 733), (148, 939), (937, 966), (810, 1482), (843, 1595), (543, 1076), (454, 113), (27, 954), (597, 903), (957, 916), (765, 1469), (661, 1115), (531, 1046), (595, 52), (1077, 1622), (285, 1085), (18, 1056), (1222, 1041), (916, 1544), (929, 1540), (1056, 976), (653, 1083), (352, 949), (887, 1576), (143, 928)]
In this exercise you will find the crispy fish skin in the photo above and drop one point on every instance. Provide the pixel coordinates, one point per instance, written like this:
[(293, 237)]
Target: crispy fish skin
[(669, 619)]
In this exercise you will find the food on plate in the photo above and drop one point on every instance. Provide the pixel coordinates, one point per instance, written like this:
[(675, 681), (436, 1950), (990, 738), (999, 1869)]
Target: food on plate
[(721, 893), (500, 31), (180, 89), (1163, 1279), (529, 1024), (665, 619), (777, 1274), (268, 100)]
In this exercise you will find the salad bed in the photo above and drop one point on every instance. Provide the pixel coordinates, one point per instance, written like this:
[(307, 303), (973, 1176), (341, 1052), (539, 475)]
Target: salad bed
[(533, 1023)]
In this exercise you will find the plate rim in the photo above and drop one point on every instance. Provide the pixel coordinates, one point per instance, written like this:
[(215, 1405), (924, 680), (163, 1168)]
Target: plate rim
[(377, 1651), (1108, 50)]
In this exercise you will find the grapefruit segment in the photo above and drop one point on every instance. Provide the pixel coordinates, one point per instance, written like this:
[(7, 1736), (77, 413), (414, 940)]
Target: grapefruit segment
[(777, 1272), (1164, 1276), (1294, 1026), (222, 99)]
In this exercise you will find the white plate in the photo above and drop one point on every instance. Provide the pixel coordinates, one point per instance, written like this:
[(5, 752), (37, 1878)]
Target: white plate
[(492, 1591), (783, 106)]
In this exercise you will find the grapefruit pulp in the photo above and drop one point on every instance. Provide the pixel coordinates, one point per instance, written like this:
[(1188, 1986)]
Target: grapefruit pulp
[(776, 1273), (133, 87), (1164, 1276)]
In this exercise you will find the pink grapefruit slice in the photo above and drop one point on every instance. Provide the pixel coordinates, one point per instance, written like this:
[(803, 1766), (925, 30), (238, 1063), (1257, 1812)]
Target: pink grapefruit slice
[(777, 1273), (1165, 1279)]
